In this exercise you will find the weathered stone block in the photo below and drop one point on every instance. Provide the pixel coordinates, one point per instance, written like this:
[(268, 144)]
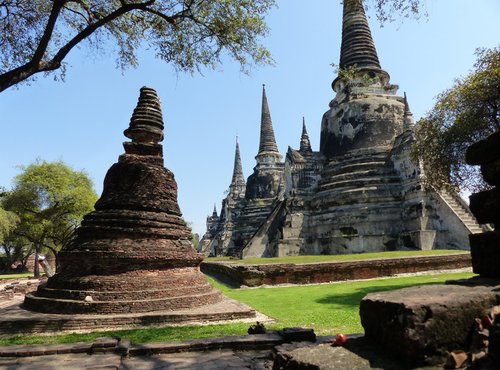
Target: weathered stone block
[(494, 347), (485, 205), (356, 355), (491, 172), (422, 323), (484, 151), (315, 357), (297, 334), (485, 252)]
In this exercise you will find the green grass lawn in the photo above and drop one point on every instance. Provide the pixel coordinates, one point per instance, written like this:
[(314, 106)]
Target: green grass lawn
[(327, 308), (16, 276), (335, 258)]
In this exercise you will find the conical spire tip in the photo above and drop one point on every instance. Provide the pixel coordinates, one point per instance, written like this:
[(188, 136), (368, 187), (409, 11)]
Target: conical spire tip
[(146, 125), (305, 144), (267, 139), (358, 48)]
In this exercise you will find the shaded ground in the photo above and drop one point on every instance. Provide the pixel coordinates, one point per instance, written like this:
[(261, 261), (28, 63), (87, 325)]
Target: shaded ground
[(225, 359), (298, 355)]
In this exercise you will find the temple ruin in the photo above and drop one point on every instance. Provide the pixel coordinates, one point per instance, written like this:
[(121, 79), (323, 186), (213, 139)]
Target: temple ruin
[(361, 192), (133, 254)]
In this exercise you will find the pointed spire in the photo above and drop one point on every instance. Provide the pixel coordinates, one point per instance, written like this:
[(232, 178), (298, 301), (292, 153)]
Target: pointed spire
[(407, 106), (358, 49), (267, 140), (214, 213), (408, 120), (146, 126), (238, 178), (305, 144)]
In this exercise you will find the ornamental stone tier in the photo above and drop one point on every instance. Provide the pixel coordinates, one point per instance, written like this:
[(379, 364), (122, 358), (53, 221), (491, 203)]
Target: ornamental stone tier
[(133, 253), (361, 192)]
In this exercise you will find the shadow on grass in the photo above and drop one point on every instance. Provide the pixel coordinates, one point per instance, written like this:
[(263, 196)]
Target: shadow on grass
[(353, 299)]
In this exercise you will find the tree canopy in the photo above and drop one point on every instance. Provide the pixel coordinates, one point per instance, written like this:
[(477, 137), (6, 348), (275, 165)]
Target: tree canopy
[(388, 10), (8, 221), (49, 200), (37, 36), (465, 113)]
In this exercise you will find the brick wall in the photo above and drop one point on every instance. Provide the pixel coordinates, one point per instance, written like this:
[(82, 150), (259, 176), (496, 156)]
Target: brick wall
[(255, 275)]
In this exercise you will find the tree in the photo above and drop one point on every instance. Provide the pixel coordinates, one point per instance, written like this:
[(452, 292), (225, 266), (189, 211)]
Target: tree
[(37, 36), (8, 253), (465, 113), (388, 10), (8, 221), (50, 200), (195, 239)]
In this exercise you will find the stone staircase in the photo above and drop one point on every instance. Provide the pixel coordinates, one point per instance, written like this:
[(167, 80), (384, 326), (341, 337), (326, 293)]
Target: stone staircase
[(460, 208), (252, 217), (258, 245)]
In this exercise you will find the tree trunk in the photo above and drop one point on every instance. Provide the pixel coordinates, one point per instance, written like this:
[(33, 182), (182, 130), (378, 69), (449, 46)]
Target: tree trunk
[(56, 257), (36, 268)]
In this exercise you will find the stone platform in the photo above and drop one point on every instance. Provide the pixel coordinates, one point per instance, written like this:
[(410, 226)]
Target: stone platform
[(16, 320), (325, 272), (358, 354)]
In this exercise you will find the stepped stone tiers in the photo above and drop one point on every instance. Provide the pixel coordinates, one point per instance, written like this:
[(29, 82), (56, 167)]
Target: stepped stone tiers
[(361, 191), (133, 253)]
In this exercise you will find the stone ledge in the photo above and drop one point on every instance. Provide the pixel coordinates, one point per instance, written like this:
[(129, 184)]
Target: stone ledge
[(43, 350), (123, 347), (254, 342), (423, 323), (16, 320), (256, 275)]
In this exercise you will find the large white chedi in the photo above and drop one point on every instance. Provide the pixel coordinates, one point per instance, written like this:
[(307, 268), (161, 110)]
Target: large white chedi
[(361, 192)]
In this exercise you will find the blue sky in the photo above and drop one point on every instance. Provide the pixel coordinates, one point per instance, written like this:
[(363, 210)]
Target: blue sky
[(81, 121)]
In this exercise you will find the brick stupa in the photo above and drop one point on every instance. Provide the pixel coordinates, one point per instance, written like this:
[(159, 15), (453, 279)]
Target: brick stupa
[(133, 253)]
